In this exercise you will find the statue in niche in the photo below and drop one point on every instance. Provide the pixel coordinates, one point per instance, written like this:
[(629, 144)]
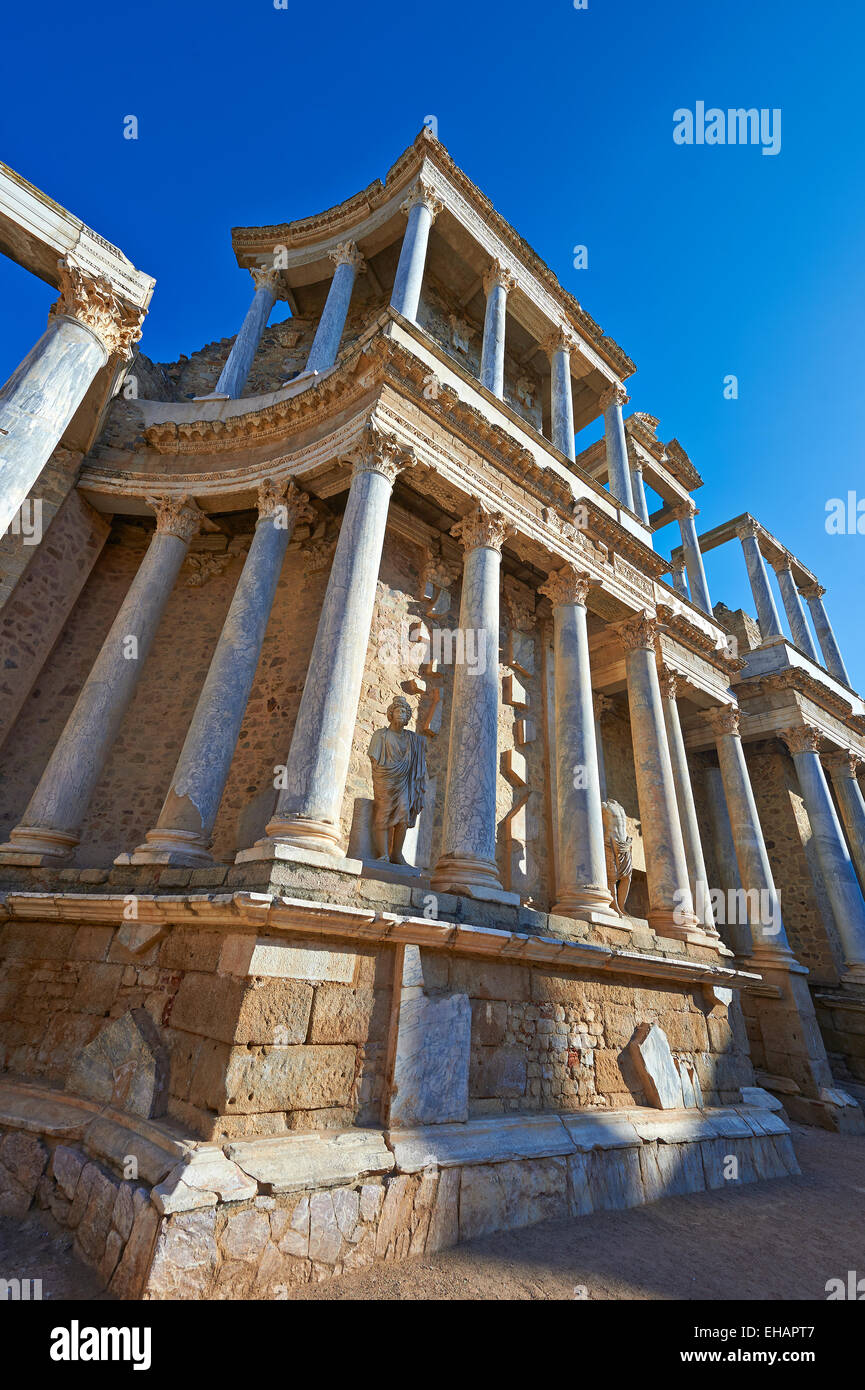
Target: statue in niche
[(618, 843), (398, 758)]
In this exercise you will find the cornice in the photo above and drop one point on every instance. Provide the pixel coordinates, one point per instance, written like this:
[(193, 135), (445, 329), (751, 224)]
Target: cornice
[(797, 679)]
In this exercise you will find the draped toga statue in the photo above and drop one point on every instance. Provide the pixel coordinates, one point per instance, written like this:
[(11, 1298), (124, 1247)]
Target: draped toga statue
[(618, 843), (398, 759)]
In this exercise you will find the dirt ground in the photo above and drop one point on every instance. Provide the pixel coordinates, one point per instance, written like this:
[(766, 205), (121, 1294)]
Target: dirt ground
[(770, 1240)]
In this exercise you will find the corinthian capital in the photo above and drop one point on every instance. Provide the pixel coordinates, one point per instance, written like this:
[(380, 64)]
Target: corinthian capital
[(346, 253), (802, 738), (683, 510), (264, 277), (669, 681), (614, 395), (382, 453), (176, 516), (499, 274), (844, 762), (559, 340), (567, 585), (639, 633), (748, 529), (814, 590), (422, 193), (723, 719), (283, 499), (482, 528), (91, 300)]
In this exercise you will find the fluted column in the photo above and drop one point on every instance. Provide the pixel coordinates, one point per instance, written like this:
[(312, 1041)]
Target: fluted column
[(618, 471), (767, 613), (348, 263), (422, 207), (498, 282), (839, 876), (763, 907), (792, 599), (234, 374), (559, 347), (87, 325), (832, 657), (699, 879), (467, 863), (844, 770), (693, 556), (671, 908), (677, 569), (49, 829), (182, 834), (309, 806), (638, 490), (582, 886)]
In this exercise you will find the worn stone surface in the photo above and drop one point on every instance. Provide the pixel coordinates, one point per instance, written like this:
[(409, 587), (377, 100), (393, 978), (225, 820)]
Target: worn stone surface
[(431, 1070), (125, 1066), (654, 1062)]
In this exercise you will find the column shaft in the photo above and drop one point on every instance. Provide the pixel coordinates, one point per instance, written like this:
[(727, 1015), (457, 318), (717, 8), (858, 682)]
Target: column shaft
[(735, 934), (309, 807), (678, 576), (561, 396), (618, 467), (826, 637), (422, 208), (182, 834), (843, 771), (51, 823), (792, 599), (693, 557), (671, 909), (698, 878), (638, 490), (497, 284), (325, 345), (233, 376), (839, 876), (583, 885), (467, 863), (767, 613)]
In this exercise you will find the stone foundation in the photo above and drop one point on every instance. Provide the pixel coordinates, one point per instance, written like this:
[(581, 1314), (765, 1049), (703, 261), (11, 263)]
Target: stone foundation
[(255, 1218)]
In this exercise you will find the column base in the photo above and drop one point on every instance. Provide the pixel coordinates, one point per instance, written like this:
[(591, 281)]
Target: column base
[(765, 957), (853, 977), (32, 846), (177, 848), (296, 832), (470, 876), (681, 926), (588, 903)]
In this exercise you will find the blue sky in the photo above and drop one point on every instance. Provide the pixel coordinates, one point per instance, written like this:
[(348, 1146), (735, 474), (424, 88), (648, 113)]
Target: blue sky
[(703, 261)]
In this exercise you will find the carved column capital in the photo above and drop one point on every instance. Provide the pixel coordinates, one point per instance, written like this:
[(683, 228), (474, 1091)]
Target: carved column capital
[(723, 719), (274, 498), (559, 340), (781, 563), (482, 528), (670, 681), (844, 762), (92, 301), (750, 529), (814, 590), (264, 277), (683, 510), (382, 453), (422, 193), (499, 274), (614, 395), (638, 633), (567, 585), (347, 253), (801, 738), (176, 516)]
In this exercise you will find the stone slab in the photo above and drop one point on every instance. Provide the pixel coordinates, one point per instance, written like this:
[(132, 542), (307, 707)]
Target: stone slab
[(480, 1141), (763, 1100), (656, 1067), (247, 956), (293, 1163), (431, 1068), (588, 1132)]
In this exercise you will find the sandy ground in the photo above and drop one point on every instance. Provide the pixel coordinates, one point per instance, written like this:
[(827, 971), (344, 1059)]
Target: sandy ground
[(771, 1240)]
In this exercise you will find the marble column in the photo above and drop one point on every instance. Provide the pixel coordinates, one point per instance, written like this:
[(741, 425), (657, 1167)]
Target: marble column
[(182, 834), (767, 613), (582, 888), (559, 347), (677, 568), (309, 806), (498, 283), (603, 706), (736, 935), (467, 863), (671, 908), (618, 470), (86, 326), (839, 875), (698, 878), (348, 263), (638, 490), (422, 207), (844, 768), (763, 907), (233, 376), (792, 599), (693, 556), (832, 657), (49, 830)]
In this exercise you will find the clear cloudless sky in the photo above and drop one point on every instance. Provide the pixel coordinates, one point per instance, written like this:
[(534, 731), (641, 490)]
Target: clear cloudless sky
[(702, 261)]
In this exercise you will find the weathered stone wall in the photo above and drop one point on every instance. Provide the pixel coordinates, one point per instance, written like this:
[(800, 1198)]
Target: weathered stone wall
[(622, 787)]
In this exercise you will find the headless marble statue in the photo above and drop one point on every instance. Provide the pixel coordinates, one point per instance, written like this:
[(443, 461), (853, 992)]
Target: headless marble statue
[(618, 844), (398, 759)]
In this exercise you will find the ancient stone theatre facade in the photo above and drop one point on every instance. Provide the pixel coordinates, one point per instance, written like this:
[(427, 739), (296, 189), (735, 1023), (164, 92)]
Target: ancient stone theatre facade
[(395, 847)]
